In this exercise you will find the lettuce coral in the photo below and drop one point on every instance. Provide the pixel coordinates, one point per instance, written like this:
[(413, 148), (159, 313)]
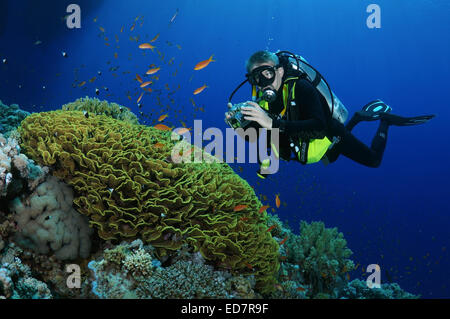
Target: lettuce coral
[(126, 186)]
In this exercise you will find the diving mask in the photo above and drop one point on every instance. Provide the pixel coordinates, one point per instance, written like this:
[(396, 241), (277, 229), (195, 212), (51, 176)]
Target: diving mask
[(262, 76)]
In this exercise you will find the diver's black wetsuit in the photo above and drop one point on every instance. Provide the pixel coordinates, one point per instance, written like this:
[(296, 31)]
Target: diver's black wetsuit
[(314, 121)]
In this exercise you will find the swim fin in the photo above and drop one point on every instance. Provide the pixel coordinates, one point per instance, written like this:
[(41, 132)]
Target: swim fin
[(372, 111), (405, 121)]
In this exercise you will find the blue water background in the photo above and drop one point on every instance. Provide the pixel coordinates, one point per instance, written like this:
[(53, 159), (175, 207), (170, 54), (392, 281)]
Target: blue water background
[(395, 215)]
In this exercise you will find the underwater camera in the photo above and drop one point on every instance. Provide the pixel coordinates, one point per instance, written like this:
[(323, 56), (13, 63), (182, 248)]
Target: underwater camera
[(236, 118)]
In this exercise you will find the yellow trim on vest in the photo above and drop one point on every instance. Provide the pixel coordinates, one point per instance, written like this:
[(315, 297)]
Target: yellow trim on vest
[(316, 149)]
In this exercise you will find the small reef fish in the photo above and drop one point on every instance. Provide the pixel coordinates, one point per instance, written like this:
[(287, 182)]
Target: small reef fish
[(162, 117), (139, 78), (263, 208), (143, 85), (155, 38), (238, 208), (146, 46), (204, 64), (139, 134), (97, 91), (64, 54), (300, 289), (249, 266), (284, 240), (82, 83), (183, 130), (153, 71), (162, 127), (174, 16), (200, 89), (271, 227), (244, 219), (159, 145), (38, 42), (277, 201), (140, 98)]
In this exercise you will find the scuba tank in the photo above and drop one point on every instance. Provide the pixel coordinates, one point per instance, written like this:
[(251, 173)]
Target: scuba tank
[(297, 64)]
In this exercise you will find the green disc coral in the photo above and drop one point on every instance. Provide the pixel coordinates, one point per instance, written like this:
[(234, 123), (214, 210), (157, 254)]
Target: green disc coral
[(126, 186), (95, 106)]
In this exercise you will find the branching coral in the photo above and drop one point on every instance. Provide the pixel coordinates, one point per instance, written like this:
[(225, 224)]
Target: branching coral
[(128, 189), (47, 222), (322, 255), (10, 117), (183, 279), (358, 289), (16, 282), (16, 170)]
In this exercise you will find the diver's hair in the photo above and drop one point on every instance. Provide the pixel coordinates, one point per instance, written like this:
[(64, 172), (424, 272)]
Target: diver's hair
[(261, 57)]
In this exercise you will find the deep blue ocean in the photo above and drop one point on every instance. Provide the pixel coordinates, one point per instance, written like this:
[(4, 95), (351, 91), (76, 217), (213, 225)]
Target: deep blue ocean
[(396, 215)]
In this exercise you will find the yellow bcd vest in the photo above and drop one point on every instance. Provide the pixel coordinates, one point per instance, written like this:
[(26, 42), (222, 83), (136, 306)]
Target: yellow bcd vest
[(308, 151)]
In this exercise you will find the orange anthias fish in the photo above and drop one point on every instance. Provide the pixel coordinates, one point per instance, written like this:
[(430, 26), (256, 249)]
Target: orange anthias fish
[(140, 98), (204, 64), (155, 38), (277, 201), (162, 117), (162, 127), (139, 78), (143, 85), (284, 240), (263, 208), (159, 145), (271, 227), (146, 46), (300, 289), (139, 134), (183, 130), (238, 208), (249, 266), (200, 89), (153, 71)]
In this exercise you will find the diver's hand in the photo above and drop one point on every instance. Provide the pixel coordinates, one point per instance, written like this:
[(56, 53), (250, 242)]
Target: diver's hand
[(257, 114), (227, 115)]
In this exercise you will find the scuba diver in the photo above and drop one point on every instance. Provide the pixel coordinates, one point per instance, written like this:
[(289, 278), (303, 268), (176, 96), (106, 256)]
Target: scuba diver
[(291, 95)]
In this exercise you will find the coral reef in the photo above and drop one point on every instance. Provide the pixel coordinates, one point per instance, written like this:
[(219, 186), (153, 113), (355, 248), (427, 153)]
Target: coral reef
[(10, 118), (47, 222), (16, 282), (130, 271), (322, 256), (357, 289), (17, 172), (128, 189), (49, 270), (97, 107)]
